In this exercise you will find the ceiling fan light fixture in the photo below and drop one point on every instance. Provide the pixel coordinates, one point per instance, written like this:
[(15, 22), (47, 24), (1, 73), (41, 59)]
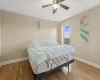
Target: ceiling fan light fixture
[(56, 6)]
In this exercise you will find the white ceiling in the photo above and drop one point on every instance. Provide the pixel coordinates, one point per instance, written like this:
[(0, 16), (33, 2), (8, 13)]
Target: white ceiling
[(33, 8)]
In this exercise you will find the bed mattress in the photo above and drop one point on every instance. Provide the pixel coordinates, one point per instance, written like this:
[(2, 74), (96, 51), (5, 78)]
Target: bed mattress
[(43, 59)]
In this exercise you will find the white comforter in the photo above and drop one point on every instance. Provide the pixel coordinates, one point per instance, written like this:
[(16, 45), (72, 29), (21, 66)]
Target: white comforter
[(38, 55)]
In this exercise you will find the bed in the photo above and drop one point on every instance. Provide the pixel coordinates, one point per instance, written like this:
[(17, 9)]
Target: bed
[(48, 56)]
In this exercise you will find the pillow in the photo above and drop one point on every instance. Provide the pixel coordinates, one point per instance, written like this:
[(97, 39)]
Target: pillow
[(39, 43)]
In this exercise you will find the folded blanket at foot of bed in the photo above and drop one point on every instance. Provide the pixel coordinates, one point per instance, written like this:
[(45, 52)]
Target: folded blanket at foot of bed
[(43, 59)]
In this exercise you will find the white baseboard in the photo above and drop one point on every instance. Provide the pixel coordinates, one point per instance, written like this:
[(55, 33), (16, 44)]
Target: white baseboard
[(88, 62), (26, 58), (13, 61)]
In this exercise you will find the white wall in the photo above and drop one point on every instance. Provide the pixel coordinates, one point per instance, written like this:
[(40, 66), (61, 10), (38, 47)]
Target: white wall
[(17, 32), (88, 51), (0, 35)]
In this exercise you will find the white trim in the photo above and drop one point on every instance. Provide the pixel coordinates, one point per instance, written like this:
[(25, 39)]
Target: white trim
[(13, 61), (26, 58), (88, 62), (62, 34)]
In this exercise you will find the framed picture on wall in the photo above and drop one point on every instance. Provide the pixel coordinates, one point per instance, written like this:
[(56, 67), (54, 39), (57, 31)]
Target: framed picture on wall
[(38, 24)]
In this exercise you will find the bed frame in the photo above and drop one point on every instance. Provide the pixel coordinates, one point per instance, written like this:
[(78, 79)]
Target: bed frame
[(39, 76)]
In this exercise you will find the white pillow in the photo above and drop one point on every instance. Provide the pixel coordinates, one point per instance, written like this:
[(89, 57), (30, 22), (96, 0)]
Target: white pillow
[(39, 43)]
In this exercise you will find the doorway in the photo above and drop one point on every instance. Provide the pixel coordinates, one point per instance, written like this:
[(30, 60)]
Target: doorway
[(66, 31)]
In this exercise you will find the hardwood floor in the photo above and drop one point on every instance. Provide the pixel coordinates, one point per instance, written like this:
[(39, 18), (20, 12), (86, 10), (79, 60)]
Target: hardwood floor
[(22, 71)]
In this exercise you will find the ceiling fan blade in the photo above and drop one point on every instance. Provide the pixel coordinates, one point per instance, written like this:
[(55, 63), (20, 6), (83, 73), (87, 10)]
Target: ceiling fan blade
[(62, 0), (65, 7), (46, 5), (54, 11)]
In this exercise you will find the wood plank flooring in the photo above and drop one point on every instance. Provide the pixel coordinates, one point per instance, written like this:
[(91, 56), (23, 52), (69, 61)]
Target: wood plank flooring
[(22, 71)]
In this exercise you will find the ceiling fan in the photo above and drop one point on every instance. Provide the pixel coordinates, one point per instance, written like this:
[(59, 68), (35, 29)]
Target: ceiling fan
[(56, 4)]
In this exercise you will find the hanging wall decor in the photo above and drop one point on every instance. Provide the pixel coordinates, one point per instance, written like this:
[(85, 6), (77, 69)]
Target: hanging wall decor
[(84, 37), (84, 21), (38, 24), (84, 31)]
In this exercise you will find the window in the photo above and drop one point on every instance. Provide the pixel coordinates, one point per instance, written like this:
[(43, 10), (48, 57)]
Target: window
[(67, 32)]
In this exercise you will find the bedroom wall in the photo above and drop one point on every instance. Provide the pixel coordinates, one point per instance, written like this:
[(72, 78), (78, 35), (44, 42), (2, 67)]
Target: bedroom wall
[(88, 51), (0, 35), (17, 32)]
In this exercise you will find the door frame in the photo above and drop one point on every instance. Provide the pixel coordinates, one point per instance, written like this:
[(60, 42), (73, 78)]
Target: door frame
[(62, 34)]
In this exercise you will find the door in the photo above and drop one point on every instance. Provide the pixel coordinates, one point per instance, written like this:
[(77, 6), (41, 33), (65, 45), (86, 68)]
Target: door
[(66, 34)]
